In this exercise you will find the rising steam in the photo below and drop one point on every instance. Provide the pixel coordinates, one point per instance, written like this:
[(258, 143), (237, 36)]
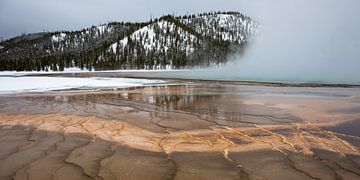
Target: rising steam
[(299, 41), (303, 40)]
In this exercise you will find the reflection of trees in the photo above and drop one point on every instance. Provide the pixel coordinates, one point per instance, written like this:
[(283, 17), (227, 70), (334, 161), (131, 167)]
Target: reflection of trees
[(175, 101), (207, 100), (200, 104), (210, 101)]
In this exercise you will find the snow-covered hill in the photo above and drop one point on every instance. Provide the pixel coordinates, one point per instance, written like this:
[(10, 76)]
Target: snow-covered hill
[(231, 26), (159, 36), (168, 42)]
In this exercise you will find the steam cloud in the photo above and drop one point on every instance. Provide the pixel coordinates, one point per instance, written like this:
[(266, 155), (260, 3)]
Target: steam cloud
[(302, 40)]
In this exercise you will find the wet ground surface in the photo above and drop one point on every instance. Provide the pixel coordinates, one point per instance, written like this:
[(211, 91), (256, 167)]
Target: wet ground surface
[(182, 130), (349, 128)]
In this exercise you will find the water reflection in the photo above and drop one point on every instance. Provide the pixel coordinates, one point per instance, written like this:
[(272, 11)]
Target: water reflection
[(224, 103), (215, 102)]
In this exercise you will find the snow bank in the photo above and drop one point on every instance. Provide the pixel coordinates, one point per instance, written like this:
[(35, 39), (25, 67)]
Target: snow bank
[(78, 70), (41, 84)]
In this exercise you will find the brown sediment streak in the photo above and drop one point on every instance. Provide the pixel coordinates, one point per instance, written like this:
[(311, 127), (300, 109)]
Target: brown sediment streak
[(343, 142), (273, 145), (92, 132), (87, 130), (352, 148), (240, 133), (281, 137), (300, 133), (228, 145), (198, 139), (161, 143), (331, 147), (329, 143), (307, 147), (173, 146), (123, 133), (118, 131), (258, 140), (325, 142), (63, 127)]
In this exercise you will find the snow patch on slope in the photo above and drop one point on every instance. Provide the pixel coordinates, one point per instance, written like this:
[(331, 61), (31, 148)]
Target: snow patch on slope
[(228, 27), (152, 37), (58, 37)]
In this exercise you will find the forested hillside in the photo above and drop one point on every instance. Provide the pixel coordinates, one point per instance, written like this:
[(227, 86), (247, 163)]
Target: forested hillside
[(167, 42)]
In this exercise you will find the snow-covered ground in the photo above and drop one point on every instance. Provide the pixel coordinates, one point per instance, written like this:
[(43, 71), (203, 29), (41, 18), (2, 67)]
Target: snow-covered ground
[(76, 70), (42, 84)]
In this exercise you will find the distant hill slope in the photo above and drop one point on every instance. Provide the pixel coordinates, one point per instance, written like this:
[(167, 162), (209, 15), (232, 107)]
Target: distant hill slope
[(167, 42)]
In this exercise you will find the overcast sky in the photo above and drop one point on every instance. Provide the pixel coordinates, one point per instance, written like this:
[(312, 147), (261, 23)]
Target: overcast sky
[(299, 39), (18, 16)]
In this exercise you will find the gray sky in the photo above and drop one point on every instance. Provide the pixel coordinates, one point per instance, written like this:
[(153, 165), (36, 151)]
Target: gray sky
[(18, 16), (304, 40)]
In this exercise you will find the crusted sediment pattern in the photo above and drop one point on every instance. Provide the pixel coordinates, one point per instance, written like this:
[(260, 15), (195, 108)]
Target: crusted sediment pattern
[(86, 147), (179, 132)]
